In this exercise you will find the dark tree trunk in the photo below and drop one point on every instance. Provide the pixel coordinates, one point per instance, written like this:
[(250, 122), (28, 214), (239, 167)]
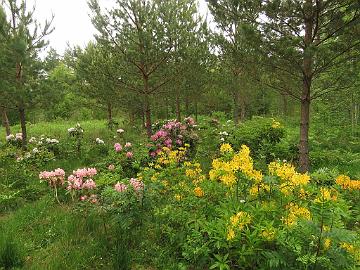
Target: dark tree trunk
[(236, 107), (23, 127), (178, 108), (243, 110), (5, 122), (148, 118), (304, 162), (143, 118), (109, 114), (147, 109)]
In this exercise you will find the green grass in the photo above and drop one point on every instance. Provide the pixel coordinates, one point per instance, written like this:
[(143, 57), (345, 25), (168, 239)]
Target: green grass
[(50, 236)]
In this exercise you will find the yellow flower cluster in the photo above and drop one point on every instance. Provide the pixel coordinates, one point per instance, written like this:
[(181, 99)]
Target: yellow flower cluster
[(346, 183), (237, 222), (348, 247), (194, 172), (295, 212), (170, 157), (325, 195), (198, 192), (275, 124), (241, 162), (226, 148), (327, 243), (288, 175)]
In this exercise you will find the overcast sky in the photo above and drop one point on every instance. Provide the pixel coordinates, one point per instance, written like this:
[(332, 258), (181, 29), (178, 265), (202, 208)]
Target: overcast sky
[(72, 23)]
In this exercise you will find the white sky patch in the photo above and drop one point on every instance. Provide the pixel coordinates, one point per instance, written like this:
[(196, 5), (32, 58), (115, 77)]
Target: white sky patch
[(72, 22)]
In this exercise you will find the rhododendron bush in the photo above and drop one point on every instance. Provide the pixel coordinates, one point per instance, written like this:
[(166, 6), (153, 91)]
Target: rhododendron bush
[(174, 134)]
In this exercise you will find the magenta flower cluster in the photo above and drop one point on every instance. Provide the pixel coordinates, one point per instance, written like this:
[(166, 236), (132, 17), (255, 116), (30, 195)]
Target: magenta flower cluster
[(54, 178), (118, 148), (173, 134), (81, 179)]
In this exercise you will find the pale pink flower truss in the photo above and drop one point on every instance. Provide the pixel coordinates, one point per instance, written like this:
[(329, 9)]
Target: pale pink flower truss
[(129, 154), (54, 178), (136, 184), (120, 187), (111, 167), (117, 147)]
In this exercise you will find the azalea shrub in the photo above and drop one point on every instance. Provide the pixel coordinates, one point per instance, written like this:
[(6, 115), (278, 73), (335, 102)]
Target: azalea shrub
[(243, 218), (174, 134)]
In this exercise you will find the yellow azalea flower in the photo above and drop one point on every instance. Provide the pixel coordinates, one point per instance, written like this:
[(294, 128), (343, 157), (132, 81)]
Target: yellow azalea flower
[(230, 234), (228, 179), (324, 196), (226, 148), (198, 192), (295, 212), (327, 243), (275, 124), (346, 183), (178, 197), (254, 190), (348, 247)]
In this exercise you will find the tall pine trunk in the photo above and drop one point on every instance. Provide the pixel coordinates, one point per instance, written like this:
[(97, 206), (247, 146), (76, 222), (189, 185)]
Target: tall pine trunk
[(236, 107), (148, 117), (304, 161), (5, 122), (242, 110), (109, 114), (23, 127)]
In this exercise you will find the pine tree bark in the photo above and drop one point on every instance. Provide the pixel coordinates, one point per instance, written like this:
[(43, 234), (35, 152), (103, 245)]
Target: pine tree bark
[(242, 110), (5, 121), (236, 107), (110, 118), (148, 118), (23, 127), (304, 161)]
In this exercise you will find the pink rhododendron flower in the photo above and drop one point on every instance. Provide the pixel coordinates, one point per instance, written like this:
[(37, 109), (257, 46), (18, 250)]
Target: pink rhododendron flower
[(117, 147), (89, 184), (78, 181), (83, 198), (136, 184), (179, 142), (129, 154), (120, 187), (54, 178), (111, 167)]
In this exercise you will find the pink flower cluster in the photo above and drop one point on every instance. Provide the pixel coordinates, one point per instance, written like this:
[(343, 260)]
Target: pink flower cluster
[(120, 187), (55, 178), (172, 134), (118, 148), (81, 179), (136, 184)]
